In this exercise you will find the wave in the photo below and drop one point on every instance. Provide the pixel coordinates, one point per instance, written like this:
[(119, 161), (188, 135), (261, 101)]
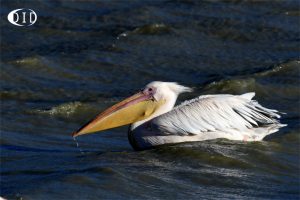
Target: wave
[(262, 82)]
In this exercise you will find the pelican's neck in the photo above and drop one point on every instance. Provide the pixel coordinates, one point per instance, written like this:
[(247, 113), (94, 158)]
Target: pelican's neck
[(166, 107)]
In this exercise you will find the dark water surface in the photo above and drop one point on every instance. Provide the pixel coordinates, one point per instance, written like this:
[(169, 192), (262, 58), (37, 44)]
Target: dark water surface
[(81, 57)]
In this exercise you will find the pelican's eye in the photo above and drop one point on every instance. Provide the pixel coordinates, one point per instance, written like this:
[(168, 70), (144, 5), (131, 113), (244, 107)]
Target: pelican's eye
[(149, 91)]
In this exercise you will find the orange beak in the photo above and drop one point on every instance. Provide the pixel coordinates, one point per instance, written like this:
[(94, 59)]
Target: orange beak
[(135, 108)]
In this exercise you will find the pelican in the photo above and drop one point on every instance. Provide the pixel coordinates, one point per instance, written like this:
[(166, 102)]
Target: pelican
[(154, 120)]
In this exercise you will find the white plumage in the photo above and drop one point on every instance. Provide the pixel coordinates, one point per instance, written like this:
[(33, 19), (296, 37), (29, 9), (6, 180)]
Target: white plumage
[(235, 117), (216, 112)]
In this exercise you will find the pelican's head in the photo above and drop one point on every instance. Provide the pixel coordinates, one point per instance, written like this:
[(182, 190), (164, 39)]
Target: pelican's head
[(155, 99)]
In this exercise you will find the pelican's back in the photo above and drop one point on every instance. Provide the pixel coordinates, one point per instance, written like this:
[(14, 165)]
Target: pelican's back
[(235, 117)]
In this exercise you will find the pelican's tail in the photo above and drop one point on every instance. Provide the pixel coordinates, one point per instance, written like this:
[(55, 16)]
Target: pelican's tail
[(267, 119)]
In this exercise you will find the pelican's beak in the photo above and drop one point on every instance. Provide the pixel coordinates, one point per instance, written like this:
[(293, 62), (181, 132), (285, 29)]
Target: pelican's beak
[(135, 108)]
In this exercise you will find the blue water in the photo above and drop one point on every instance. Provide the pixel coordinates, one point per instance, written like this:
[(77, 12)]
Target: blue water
[(81, 57)]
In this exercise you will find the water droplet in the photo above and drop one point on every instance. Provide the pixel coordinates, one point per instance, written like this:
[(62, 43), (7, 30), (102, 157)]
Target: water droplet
[(77, 145)]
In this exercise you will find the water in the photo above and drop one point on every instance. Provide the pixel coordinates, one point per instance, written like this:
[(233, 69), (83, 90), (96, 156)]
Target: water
[(81, 57)]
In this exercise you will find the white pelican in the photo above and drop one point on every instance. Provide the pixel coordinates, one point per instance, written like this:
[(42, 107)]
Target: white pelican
[(155, 121)]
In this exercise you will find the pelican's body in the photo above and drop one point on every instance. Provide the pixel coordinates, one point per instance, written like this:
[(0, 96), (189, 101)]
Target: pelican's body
[(155, 121)]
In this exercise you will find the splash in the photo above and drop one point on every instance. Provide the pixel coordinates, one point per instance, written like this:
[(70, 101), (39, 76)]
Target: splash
[(66, 109), (149, 29)]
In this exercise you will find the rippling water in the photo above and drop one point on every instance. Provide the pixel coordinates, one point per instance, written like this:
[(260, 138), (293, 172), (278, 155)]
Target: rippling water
[(81, 57)]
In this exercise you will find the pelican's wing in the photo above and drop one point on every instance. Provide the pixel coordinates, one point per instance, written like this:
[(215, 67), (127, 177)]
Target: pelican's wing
[(216, 113)]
